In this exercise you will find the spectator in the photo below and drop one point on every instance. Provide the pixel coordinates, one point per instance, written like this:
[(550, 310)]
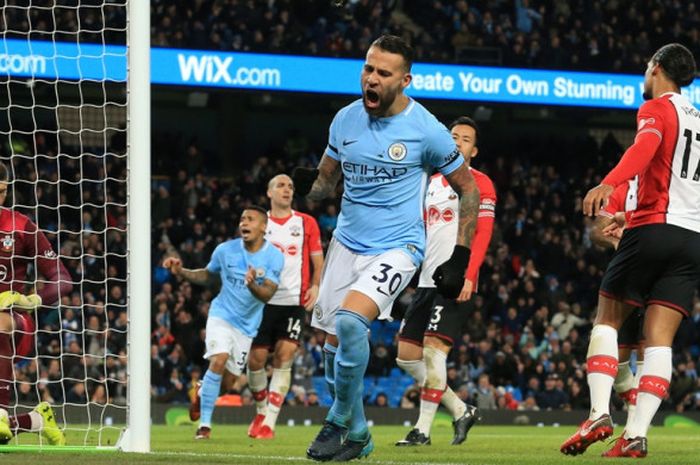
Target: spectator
[(552, 397), (485, 394)]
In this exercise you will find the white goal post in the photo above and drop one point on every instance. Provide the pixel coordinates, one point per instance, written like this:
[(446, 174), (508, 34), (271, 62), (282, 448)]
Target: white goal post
[(137, 435)]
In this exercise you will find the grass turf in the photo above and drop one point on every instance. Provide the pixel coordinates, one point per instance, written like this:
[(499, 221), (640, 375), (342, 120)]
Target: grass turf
[(495, 445)]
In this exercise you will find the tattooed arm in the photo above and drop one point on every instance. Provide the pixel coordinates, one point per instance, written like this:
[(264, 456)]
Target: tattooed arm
[(327, 180), (462, 181)]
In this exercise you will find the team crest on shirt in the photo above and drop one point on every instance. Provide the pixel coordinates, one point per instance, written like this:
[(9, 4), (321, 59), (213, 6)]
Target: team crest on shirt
[(397, 151), (7, 242), (3, 272), (259, 273), (644, 121), (318, 311), (295, 230)]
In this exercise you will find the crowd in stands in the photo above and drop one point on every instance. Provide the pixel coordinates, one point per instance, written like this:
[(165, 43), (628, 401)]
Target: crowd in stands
[(595, 35), (617, 35), (525, 342)]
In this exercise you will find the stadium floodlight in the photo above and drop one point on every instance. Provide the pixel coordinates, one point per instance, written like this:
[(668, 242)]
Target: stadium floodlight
[(75, 135)]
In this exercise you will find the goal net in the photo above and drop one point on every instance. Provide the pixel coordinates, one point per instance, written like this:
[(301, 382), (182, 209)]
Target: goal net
[(64, 98)]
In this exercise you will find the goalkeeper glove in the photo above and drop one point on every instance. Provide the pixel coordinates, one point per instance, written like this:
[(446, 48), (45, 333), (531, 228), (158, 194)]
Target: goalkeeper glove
[(449, 277), (9, 299), (304, 179)]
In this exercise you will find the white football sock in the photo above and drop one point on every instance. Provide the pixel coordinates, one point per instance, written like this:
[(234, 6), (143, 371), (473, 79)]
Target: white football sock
[(279, 387), (653, 387), (415, 368), (433, 388), (602, 368), (257, 382)]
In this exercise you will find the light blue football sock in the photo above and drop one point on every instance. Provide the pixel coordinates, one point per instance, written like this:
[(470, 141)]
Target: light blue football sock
[(211, 384), (329, 366), (350, 364)]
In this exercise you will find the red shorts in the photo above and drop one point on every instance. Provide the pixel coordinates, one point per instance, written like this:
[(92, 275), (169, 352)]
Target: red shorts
[(24, 333)]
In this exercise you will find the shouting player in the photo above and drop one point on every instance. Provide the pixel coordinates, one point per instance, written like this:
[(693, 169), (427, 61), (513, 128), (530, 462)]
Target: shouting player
[(298, 237), (24, 244), (384, 145), (433, 322), (249, 269), (657, 263)]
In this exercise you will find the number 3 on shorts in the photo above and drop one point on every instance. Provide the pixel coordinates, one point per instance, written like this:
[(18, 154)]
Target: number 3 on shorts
[(393, 284)]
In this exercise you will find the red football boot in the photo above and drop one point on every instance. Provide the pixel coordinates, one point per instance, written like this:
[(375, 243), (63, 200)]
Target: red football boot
[(633, 447), (589, 432), (254, 427), (265, 432)]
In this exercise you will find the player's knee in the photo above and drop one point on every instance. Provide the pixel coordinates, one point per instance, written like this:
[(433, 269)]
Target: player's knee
[(435, 368), (283, 361), (256, 363), (217, 363), (351, 328), (436, 343), (409, 352)]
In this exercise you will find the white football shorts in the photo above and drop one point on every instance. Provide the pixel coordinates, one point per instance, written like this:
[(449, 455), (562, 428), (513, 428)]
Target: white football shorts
[(222, 337), (380, 277)]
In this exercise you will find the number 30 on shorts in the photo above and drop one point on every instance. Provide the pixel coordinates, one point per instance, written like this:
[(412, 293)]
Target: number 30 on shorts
[(387, 286)]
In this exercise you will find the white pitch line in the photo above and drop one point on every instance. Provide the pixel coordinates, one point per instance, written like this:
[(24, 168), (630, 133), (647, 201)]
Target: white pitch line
[(290, 459)]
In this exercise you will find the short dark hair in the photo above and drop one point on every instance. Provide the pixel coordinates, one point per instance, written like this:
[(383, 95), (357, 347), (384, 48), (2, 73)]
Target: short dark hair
[(258, 209), (677, 62), (4, 172), (468, 122), (395, 44)]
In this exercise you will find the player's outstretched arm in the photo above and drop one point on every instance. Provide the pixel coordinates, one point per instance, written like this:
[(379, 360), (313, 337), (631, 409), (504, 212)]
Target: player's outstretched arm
[(200, 276), (317, 184), (462, 181)]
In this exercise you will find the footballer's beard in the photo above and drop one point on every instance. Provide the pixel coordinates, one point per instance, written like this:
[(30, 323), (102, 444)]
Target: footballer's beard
[(376, 104), (648, 94)]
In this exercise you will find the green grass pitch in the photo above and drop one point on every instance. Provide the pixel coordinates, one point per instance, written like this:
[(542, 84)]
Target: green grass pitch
[(174, 445)]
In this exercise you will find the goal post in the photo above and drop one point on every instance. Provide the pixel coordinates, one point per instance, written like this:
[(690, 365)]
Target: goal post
[(136, 436)]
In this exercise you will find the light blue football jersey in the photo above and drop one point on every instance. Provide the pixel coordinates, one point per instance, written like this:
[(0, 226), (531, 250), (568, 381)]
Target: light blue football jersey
[(386, 163), (235, 303)]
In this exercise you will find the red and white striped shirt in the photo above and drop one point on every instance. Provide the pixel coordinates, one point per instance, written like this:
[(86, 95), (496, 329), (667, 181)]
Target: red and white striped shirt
[(442, 224), (666, 156), (297, 237)]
